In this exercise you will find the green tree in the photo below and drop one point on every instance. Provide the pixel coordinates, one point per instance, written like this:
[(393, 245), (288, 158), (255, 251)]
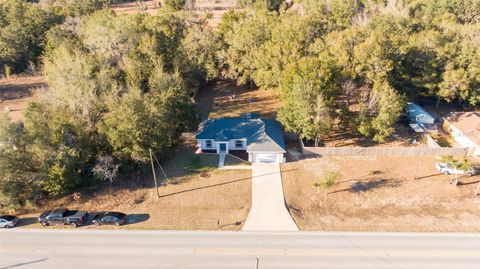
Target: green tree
[(175, 5), (22, 33), (18, 170), (64, 148), (308, 89), (243, 42), (139, 121), (200, 47), (458, 164)]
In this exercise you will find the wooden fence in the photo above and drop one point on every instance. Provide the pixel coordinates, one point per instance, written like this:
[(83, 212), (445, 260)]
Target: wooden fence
[(383, 151)]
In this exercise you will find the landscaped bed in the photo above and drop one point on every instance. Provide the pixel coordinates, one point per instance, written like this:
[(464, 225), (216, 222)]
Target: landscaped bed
[(379, 194)]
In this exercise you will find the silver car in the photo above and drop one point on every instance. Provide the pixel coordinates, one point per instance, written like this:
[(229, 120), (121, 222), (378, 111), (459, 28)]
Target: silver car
[(8, 221), (447, 169)]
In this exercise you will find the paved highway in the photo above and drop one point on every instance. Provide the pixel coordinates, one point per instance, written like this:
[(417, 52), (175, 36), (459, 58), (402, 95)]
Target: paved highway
[(24, 248)]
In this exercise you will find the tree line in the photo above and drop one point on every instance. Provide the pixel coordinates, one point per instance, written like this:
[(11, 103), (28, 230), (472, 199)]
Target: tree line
[(121, 85), (118, 86), (352, 64)]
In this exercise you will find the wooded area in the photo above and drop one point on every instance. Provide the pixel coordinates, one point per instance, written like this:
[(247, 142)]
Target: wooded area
[(119, 85)]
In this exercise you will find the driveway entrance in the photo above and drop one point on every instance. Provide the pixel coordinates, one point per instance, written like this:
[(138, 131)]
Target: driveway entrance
[(268, 211)]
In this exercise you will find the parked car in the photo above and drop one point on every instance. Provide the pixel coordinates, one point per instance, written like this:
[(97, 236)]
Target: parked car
[(61, 216), (446, 169), (8, 221), (110, 218)]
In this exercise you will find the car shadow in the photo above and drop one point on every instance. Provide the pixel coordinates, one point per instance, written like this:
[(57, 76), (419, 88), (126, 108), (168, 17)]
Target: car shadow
[(26, 222), (136, 218), (130, 218)]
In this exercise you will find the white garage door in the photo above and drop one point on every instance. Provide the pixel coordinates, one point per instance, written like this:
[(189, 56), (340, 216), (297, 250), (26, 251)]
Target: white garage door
[(266, 158)]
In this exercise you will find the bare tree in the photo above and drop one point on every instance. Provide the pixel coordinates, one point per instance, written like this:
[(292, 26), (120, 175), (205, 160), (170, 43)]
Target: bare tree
[(105, 168)]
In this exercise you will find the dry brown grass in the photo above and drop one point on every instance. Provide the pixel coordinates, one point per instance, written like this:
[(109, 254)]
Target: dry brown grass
[(186, 201), (226, 99), (17, 92), (212, 13), (132, 7), (380, 194)]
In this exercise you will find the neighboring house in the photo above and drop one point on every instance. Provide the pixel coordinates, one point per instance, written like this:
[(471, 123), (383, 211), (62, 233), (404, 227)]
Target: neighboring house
[(418, 115), (262, 139), (464, 127)]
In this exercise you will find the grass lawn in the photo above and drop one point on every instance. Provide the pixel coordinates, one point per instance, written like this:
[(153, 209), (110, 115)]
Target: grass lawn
[(187, 202), (380, 194), (226, 99)]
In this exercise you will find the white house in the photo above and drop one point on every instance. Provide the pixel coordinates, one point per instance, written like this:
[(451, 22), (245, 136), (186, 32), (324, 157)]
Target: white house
[(464, 127), (262, 139)]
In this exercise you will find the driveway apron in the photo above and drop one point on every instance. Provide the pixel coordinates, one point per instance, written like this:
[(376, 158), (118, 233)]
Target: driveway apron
[(268, 211)]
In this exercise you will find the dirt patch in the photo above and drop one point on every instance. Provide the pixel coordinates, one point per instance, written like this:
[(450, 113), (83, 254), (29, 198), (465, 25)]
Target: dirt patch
[(380, 194), (17, 92), (134, 7), (187, 201), (226, 99)]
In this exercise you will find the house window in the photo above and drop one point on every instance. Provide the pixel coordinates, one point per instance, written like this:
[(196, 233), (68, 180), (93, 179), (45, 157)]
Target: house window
[(208, 144), (239, 144)]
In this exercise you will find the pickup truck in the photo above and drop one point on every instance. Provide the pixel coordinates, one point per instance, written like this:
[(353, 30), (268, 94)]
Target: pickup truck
[(62, 216)]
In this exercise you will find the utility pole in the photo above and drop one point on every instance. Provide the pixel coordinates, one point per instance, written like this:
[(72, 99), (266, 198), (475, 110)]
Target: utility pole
[(161, 168), (256, 266), (154, 175)]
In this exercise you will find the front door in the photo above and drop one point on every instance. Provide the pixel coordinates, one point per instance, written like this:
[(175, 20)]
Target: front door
[(223, 147)]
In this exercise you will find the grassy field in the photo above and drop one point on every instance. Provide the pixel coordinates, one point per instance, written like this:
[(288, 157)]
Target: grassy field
[(187, 202), (226, 99), (380, 194)]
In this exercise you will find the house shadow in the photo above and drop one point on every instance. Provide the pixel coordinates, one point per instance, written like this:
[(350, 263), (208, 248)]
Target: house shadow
[(26, 222)]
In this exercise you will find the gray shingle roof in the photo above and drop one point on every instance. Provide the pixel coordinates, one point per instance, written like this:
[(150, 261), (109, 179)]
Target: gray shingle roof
[(264, 135)]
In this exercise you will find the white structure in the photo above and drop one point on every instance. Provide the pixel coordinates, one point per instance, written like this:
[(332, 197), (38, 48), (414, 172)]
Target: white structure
[(464, 127)]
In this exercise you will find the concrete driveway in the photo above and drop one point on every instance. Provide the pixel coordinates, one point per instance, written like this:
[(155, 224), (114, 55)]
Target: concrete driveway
[(268, 211)]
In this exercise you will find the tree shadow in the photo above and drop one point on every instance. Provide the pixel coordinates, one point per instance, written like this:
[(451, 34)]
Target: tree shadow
[(26, 222), (468, 183), (363, 186), (432, 175), (24, 263)]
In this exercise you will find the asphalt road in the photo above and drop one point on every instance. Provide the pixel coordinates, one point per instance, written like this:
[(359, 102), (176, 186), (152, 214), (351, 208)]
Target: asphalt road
[(23, 248)]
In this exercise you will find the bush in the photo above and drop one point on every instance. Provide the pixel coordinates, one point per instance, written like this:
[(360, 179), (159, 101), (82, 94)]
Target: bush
[(328, 180)]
